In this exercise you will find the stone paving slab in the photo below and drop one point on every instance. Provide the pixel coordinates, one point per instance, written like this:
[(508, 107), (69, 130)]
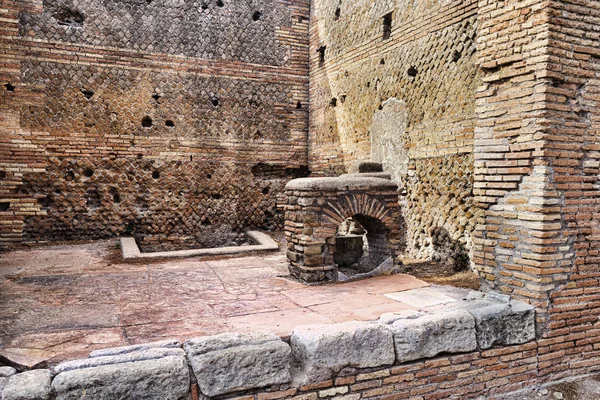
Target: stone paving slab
[(62, 302)]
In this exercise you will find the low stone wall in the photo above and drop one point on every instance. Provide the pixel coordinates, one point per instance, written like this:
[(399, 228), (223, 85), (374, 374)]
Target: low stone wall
[(319, 360)]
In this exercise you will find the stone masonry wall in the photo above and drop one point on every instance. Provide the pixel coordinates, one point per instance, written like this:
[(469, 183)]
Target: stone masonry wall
[(157, 118), (407, 101)]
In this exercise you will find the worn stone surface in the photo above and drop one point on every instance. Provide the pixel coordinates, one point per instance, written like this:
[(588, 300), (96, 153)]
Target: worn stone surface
[(5, 372), (232, 362), (163, 344), (321, 350), (140, 355), (29, 385), (504, 324), (429, 335), (162, 378)]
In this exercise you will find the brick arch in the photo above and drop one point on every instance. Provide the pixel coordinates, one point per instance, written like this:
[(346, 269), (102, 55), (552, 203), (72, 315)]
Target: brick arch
[(348, 206)]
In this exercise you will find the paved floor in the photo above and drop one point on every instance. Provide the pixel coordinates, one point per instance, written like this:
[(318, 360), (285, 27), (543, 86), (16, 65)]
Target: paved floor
[(61, 302)]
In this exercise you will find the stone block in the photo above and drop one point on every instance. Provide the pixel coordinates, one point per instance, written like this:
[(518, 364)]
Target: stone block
[(504, 324), (232, 362), (367, 166), (155, 373), (163, 344), (30, 385), (5, 373), (430, 335), (321, 350)]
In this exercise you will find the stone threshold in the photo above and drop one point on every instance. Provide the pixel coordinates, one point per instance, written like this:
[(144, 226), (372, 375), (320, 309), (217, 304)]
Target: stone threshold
[(131, 251)]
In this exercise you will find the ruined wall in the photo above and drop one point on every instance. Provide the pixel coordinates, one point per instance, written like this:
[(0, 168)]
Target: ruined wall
[(407, 100), (537, 170), (149, 117)]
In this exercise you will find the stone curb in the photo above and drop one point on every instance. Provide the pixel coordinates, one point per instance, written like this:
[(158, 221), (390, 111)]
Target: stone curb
[(130, 249)]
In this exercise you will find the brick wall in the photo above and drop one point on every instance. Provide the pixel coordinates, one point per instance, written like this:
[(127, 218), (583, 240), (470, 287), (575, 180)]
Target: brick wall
[(428, 65), (156, 118), (536, 168)]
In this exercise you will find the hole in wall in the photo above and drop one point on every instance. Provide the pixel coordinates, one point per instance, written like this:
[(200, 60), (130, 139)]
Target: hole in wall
[(169, 123), (92, 199), (156, 96), (208, 176), (256, 16), (148, 2), (387, 26), (147, 122), (69, 18), (206, 223), (216, 196), (382, 62), (88, 172), (214, 101), (338, 12), (266, 190), (9, 87), (69, 176), (412, 71), (115, 195), (45, 202), (2, 174), (191, 158), (4, 206), (456, 55), (299, 105), (321, 51), (204, 6), (333, 102), (88, 94), (343, 98), (220, 3), (155, 174)]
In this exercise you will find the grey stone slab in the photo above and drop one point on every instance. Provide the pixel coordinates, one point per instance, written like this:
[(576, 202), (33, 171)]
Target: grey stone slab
[(148, 354), (421, 298), (5, 372), (165, 378), (169, 343), (232, 362), (30, 385), (321, 350), (504, 324), (341, 183), (430, 335)]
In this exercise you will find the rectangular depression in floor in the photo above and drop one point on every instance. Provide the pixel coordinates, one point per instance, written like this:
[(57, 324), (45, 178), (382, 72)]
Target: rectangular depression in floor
[(259, 242)]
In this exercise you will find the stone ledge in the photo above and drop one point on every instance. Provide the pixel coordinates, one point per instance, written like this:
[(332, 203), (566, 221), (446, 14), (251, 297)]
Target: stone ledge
[(130, 249), (341, 183), (232, 363)]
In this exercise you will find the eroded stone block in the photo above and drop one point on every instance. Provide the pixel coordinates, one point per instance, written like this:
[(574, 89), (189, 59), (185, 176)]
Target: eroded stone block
[(504, 324), (30, 385), (231, 362), (321, 350), (150, 374), (430, 335)]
